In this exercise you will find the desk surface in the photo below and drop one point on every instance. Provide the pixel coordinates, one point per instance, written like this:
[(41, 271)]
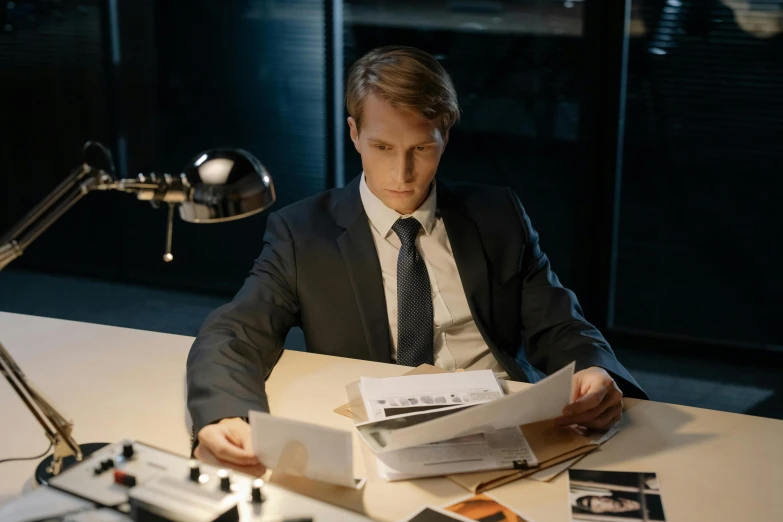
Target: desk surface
[(120, 383)]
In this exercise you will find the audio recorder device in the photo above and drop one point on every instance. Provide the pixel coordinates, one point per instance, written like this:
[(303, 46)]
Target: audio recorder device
[(146, 484)]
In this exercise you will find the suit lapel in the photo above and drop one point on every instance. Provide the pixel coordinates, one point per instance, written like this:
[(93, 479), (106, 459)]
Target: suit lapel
[(468, 254), (364, 270)]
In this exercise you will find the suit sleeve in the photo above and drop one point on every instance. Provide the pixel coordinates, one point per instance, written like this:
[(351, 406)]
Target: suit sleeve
[(554, 327), (240, 342)]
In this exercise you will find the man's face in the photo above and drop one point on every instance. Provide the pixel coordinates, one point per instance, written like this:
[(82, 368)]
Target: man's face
[(400, 153), (613, 505)]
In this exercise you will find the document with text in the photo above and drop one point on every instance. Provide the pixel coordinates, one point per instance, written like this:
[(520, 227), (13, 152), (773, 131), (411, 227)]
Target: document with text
[(401, 402), (413, 393), (541, 401)]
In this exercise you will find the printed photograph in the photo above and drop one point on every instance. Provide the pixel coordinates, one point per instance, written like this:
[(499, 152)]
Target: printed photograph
[(615, 496), (430, 514), (483, 508), (377, 433)]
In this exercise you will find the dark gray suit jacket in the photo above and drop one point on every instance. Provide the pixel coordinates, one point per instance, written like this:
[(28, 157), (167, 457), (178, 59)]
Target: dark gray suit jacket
[(319, 270)]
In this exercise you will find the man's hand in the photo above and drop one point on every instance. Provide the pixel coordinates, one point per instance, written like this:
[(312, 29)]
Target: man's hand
[(597, 402), (227, 444)]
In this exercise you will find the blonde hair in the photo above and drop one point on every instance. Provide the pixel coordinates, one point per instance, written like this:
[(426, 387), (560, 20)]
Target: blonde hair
[(407, 78)]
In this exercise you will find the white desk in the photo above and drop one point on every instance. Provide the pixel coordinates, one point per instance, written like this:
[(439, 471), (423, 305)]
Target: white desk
[(117, 383)]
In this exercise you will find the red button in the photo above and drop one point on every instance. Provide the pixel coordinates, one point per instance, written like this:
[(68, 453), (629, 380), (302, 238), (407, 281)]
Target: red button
[(123, 479)]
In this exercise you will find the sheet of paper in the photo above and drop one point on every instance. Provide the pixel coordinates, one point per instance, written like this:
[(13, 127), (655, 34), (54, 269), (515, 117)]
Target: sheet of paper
[(541, 401), (413, 393), (502, 449), (303, 449), (600, 438), (547, 474)]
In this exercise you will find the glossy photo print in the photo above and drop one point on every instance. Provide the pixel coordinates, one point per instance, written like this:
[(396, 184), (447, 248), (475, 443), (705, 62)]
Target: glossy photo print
[(433, 514), (483, 508), (615, 496)]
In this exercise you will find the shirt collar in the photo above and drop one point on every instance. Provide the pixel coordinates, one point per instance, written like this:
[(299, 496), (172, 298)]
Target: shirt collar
[(383, 218)]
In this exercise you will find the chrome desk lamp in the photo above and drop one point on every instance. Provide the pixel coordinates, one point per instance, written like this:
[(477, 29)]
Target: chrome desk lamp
[(215, 186)]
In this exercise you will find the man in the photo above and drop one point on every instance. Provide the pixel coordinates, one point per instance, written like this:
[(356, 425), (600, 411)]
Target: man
[(397, 267)]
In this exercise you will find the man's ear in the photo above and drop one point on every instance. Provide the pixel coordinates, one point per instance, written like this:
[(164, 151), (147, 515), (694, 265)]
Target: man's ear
[(354, 129), (446, 139)]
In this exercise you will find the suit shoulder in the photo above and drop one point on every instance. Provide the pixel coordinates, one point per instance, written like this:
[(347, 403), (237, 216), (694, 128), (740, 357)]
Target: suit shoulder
[(304, 210)]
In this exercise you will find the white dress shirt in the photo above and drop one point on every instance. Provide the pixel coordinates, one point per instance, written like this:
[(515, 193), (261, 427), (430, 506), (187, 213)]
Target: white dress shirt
[(458, 342)]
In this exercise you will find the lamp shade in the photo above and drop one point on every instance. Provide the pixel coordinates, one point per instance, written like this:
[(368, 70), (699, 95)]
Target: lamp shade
[(226, 184)]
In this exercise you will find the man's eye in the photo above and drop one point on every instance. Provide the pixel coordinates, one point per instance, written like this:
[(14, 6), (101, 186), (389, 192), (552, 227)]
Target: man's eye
[(381, 147), (420, 149)]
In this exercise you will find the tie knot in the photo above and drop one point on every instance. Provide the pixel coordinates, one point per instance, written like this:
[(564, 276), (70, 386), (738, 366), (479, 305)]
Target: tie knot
[(407, 230)]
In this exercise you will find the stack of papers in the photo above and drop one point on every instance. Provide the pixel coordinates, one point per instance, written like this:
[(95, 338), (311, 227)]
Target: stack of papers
[(430, 425), (411, 394)]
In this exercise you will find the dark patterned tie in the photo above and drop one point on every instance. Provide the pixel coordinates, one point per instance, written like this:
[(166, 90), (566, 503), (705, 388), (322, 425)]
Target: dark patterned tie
[(414, 300)]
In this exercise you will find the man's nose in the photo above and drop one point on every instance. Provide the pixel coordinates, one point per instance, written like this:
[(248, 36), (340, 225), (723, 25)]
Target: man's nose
[(403, 168)]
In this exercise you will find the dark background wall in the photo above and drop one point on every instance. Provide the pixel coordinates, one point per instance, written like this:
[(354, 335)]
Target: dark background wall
[(54, 97), (698, 245), (168, 80)]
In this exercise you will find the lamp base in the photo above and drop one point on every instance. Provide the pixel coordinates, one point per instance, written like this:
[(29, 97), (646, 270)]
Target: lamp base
[(43, 477)]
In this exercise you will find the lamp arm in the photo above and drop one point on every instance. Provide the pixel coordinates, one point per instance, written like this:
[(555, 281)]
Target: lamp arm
[(12, 380), (8, 253), (58, 428), (218, 185), (85, 179), (76, 176), (56, 213), (57, 203)]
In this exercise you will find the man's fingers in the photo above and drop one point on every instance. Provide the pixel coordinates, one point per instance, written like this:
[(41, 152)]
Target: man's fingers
[(255, 471), (606, 419), (203, 454), (226, 451), (240, 436), (599, 406), (586, 402), (217, 443), (582, 418), (611, 399)]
